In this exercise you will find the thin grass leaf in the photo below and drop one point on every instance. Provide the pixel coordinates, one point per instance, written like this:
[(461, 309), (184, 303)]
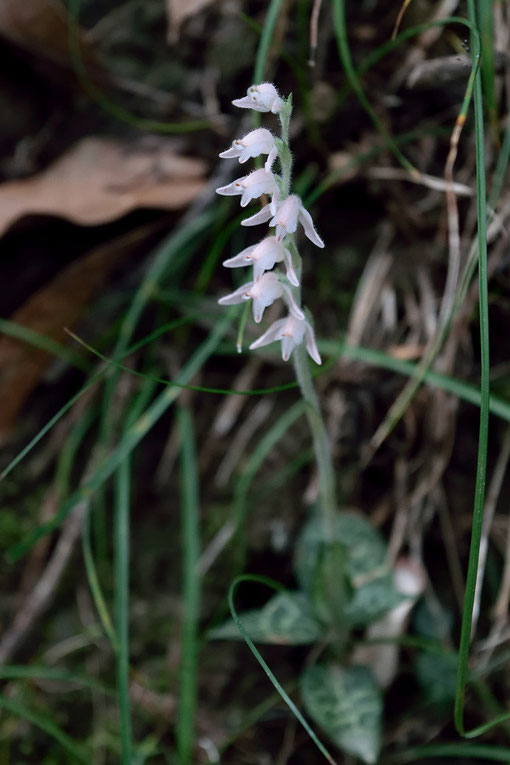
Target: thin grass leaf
[(263, 448), (78, 753), (481, 468), (43, 343), (37, 672), (480, 752), (265, 40), (486, 27), (344, 52), (293, 708), (117, 111), (132, 437), (190, 535), (122, 484), (94, 584)]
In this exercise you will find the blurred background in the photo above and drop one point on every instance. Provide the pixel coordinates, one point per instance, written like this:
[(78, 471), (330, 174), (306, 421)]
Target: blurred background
[(114, 113)]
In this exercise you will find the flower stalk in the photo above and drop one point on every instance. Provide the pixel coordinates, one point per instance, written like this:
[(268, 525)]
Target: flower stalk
[(283, 213)]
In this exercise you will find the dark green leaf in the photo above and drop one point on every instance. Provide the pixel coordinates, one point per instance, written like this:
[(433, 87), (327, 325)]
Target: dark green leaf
[(370, 601), (347, 705), (286, 619)]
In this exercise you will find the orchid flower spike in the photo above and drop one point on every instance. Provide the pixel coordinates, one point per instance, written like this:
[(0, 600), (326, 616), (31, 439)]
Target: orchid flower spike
[(286, 215), (264, 292), (263, 257), (260, 98), (291, 331), (250, 186), (253, 144)]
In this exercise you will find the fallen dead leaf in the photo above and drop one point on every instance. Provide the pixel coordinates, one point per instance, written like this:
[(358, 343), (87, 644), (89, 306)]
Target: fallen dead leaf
[(41, 27), (56, 306), (101, 179), (180, 10)]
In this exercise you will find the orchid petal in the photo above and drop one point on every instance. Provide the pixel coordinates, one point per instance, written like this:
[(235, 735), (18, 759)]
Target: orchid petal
[(231, 189), (294, 309), (238, 296), (311, 345), (241, 259), (289, 269), (231, 153), (306, 221), (247, 103), (262, 216), (270, 335), (270, 159)]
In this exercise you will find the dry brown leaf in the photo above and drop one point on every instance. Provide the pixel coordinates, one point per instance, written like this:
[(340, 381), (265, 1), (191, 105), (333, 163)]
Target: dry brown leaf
[(100, 179), (42, 28), (180, 10), (56, 306)]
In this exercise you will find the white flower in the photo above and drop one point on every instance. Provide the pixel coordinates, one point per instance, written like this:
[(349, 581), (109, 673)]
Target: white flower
[(291, 331), (258, 142), (262, 216), (286, 216), (263, 257), (250, 186), (264, 292), (261, 98)]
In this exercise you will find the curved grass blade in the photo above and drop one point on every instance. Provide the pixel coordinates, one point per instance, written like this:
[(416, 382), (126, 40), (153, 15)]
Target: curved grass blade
[(481, 467), (265, 40), (122, 485), (263, 448), (190, 534), (479, 752), (37, 672), (42, 343), (153, 126), (132, 437), (286, 698), (47, 725), (345, 57), (486, 28)]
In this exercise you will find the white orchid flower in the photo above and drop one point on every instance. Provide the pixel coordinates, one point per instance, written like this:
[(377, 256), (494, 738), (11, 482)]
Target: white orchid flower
[(250, 186), (261, 98), (253, 144), (286, 215), (262, 216), (263, 292), (263, 257), (291, 331)]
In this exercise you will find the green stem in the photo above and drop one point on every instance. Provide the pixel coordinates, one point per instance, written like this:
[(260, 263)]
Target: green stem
[(321, 443)]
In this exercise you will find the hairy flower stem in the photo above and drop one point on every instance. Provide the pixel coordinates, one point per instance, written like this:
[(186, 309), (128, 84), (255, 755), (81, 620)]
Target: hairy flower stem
[(301, 364)]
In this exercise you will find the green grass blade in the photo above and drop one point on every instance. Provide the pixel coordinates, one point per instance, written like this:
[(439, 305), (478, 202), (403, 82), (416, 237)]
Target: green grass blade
[(132, 437), (481, 468), (122, 486), (37, 672), (486, 27), (265, 40), (263, 448), (117, 111), (284, 695), (94, 584), (340, 26), (43, 343), (190, 535), (479, 752), (48, 726)]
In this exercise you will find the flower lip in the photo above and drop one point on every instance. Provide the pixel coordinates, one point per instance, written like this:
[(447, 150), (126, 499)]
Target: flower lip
[(250, 186), (291, 332), (285, 218), (253, 144), (261, 98)]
